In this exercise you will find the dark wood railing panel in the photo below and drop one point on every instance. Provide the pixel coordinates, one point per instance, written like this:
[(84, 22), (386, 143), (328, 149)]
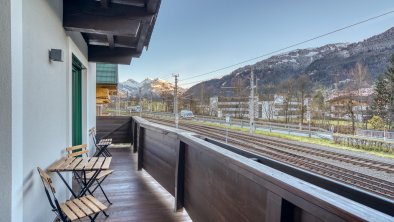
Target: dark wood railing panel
[(231, 195), (216, 184), (116, 127), (160, 157)]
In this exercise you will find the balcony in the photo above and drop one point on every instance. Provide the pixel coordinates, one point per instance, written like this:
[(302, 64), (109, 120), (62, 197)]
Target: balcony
[(135, 195), (174, 175)]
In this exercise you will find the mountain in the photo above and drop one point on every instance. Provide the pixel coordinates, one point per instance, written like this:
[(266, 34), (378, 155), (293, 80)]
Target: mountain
[(156, 87), (325, 65)]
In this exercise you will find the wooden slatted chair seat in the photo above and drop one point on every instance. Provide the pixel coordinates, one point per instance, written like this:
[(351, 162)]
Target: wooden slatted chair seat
[(105, 142), (102, 174), (82, 207), (101, 144), (75, 209)]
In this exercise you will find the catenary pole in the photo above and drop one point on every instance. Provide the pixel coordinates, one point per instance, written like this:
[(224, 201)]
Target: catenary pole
[(176, 100), (251, 102)]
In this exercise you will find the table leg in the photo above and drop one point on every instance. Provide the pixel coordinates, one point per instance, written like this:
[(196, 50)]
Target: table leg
[(65, 182), (88, 183)]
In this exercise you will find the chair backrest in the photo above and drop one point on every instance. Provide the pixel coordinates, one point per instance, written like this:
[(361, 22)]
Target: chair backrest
[(93, 132), (77, 150), (47, 181)]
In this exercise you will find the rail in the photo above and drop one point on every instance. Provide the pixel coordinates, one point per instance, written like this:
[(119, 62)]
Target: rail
[(272, 127), (216, 184)]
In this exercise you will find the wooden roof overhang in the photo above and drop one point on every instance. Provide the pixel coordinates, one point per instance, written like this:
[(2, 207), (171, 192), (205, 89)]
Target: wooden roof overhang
[(115, 30)]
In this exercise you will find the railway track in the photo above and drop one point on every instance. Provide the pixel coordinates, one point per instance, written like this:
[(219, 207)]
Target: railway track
[(300, 156)]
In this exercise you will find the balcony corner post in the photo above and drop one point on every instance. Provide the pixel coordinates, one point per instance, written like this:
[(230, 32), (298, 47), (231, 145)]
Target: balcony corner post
[(180, 177)]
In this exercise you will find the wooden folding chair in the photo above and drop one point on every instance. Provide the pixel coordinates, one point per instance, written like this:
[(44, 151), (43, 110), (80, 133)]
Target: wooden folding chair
[(71, 210), (102, 145), (81, 150)]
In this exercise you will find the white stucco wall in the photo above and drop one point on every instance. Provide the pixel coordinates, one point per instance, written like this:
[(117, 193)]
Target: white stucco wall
[(91, 103), (36, 103), (11, 147)]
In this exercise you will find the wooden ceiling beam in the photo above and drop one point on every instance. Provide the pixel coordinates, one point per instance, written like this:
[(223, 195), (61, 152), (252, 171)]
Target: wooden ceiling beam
[(104, 3), (115, 55), (104, 43), (110, 39), (138, 3), (101, 25), (152, 6), (115, 11), (115, 30), (118, 41), (143, 35)]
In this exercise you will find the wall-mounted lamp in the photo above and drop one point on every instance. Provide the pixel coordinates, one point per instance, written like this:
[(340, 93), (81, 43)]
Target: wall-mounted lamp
[(56, 55)]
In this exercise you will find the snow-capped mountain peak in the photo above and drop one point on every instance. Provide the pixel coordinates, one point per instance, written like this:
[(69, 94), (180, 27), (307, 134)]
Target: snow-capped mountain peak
[(149, 87)]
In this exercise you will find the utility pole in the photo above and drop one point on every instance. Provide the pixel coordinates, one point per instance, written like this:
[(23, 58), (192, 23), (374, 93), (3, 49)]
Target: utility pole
[(251, 102), (118, 105), (176, 100), (256, 101), (150, 104), (202, 99), (139, 95)]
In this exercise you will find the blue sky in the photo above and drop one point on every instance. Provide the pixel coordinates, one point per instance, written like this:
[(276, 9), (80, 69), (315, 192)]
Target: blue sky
[(192, 37)]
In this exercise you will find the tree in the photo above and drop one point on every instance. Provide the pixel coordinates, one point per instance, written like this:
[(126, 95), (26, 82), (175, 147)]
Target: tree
[(287, 87), (389, 76), (303, 83), (380, 98), (358, 79), (383, 104), (319, 106), (376, 122), (268, 99)]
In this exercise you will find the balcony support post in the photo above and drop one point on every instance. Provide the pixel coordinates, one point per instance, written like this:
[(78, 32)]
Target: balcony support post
[(180, 177), (134, 129), (141, 132)]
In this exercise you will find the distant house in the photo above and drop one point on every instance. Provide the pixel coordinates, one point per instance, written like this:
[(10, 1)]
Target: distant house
[(358, 101)]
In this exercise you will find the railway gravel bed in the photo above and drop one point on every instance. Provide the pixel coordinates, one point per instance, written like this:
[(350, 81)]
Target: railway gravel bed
[(366, 172)]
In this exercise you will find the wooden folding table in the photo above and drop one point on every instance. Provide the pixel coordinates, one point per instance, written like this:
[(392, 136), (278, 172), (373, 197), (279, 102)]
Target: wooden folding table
[(81, 165)]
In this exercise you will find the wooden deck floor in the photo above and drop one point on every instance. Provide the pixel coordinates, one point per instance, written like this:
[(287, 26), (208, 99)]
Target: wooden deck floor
[(135, 195)]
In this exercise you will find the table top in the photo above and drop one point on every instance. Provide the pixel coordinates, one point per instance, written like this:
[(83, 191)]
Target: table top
[(81, 164)]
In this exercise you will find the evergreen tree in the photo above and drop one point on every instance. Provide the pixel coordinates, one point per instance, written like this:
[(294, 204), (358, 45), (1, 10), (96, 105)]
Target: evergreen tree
[(389, 78), (383, 104), (380, 100)]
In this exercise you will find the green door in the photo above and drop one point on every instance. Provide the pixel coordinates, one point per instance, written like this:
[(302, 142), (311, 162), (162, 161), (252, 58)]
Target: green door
[(76, 102)]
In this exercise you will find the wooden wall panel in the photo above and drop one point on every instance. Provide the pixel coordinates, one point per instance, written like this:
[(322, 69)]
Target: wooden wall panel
[(159, 158), (116, 127), (216, 191)]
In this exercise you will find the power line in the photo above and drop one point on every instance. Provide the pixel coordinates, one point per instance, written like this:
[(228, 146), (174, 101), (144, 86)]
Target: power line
[(290, 46)]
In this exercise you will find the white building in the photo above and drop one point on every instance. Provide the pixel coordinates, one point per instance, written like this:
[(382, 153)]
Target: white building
[(235, 107), (41, 99), (278, 108)]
